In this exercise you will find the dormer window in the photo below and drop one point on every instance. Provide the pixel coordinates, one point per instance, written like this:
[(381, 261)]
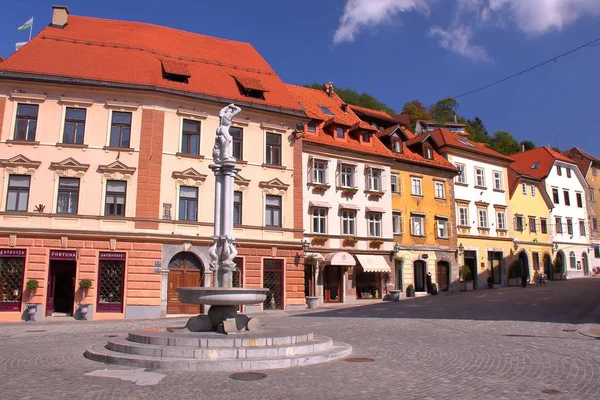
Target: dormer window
[(535, 165), (366, 138), (396, 146), (428, 152), (250, 87), (311, 127), (175, 72), (326, 110), (339, 133)]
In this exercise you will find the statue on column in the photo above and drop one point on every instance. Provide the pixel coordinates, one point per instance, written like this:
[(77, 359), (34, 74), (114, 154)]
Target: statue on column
[(223, 149)]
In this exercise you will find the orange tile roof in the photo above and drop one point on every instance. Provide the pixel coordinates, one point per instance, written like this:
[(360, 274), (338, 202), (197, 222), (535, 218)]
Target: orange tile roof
[(402, 119), (123, 52), (380, 114), (583, 160), (444, 138), (311, 99), (515, 175), (544, 155)]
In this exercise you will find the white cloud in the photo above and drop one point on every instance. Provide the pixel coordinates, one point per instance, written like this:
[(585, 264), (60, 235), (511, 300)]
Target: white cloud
[(360, 14), (533, 17), (458, 39)]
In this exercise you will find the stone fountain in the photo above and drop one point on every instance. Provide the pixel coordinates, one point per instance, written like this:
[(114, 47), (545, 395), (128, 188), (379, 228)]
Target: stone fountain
[(222, 340)]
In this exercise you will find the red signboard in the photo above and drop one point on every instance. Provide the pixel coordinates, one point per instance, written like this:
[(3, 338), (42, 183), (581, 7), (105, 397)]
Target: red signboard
[(12, 253), (63, 254), (105, 255)]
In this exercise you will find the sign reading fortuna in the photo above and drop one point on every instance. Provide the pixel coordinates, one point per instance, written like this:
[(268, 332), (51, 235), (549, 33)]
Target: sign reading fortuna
[(105, 255), (12, 253), (63, 254)]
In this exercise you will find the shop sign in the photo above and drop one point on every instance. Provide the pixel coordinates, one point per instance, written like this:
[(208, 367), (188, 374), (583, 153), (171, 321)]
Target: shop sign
[(424, 256), (12, 253), (63, 254), (106, 255)]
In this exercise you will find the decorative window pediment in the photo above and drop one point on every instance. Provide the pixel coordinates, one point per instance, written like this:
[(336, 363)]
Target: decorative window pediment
[(69, 163), (241, 181), (75, 102), (28, 98), (20, 161), (116, 166), (273, 184), (189, 173), (122, 105), (193, 114)]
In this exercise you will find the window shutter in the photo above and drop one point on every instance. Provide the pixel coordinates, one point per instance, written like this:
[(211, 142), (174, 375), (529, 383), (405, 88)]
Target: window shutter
[(338, 174), (412, 225), (310, 169), (382, 187), (401, 222), (354, 178), (367, 174)]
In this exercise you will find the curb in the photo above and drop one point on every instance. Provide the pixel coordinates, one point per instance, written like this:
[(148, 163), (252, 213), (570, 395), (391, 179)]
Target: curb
[(586, 330)]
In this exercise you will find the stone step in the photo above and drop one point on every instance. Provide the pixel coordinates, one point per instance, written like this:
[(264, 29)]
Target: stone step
[(275, 337), (122, 345), (102, 354)]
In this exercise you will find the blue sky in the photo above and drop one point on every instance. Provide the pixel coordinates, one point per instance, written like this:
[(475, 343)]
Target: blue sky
[(400, 50)]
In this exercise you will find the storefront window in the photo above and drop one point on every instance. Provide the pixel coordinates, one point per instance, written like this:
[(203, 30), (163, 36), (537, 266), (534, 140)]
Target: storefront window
[(368, 285), (111, 281), (12, 268)]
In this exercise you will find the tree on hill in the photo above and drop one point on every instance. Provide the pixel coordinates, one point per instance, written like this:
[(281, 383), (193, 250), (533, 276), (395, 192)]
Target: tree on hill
[(351, 96), (504, 143), (444, 110), (527, 144), (416, 111), (477, 130)]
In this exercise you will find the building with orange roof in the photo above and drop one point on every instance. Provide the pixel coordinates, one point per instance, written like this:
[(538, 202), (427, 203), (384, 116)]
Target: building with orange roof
[(531, 206), (483, 215), (105, 146), (569, 217), (422, 212), (422, 126), (346, 202), (589, 166)]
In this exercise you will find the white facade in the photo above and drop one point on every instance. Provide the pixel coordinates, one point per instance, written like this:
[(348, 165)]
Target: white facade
[(477, 194), (323, 190), (569, 240)]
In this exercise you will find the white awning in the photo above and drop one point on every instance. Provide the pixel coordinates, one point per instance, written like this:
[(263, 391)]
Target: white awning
[(346, 206), (340, 258), (320, 204), (375, 209), (372, 263)]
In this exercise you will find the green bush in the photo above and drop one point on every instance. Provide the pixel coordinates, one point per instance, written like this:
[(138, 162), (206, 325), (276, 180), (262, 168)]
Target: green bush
[(465, 273), (85, 283), (409, 288), (558, 265), (32, 284)]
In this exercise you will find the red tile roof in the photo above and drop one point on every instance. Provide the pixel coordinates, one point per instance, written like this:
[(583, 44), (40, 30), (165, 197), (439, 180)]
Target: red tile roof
[(582, 159), (515, 175), (311, 99), (444, 138), (126, 52), (380, 114), (544, 155), (402, 119)]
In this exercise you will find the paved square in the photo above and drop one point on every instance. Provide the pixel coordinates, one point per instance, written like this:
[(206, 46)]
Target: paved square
[(508, 343)]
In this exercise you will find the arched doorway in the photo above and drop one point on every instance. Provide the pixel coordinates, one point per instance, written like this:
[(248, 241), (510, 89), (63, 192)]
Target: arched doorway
[(584, 263), (398, 264), (443, 275), (524, 265), (419, 279), (548, 266), (185, 270), (559, 261)]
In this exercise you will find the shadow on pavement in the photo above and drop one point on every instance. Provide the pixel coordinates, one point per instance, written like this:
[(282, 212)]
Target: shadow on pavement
[(573, 302)]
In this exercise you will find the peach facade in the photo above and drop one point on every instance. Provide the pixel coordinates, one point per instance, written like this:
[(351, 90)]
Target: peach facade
[(154, 169)]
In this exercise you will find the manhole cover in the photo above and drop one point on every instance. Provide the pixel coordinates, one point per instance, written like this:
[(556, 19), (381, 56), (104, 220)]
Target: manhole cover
[(36, 330), (111, 335), (248, 376), (358, 359), (550, 391)]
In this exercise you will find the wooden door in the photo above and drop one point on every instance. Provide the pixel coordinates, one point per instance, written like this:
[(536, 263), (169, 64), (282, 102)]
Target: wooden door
[(182, 278), (419, 276), (50, 293), (443, 276), (332, 281)]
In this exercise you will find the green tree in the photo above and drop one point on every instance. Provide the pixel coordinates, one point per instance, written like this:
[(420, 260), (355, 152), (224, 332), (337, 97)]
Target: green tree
[(504, 143), (477, 130), (444, 110), (351, 96), (527, 144), (416, 111)]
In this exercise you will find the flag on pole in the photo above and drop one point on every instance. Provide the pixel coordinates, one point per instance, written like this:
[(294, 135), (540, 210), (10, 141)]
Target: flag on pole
[(18, 45), (26, 25)]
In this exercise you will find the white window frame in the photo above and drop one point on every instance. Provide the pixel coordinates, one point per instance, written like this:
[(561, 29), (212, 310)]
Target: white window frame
[(466, 216), (374, 221), (592, 195), (482, 218), (462, 175), (397, 222), (532, 189), (441, 226), (524, 189), (416, 183), (479, 177), (440, 189), (319, 217), (319, 172), (349, 217), (498, 180), (350, 171), (395, 183), (417, 221), (374, 179), (501, 220)]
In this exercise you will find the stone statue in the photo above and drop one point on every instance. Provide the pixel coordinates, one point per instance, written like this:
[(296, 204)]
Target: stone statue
[(223, 149)]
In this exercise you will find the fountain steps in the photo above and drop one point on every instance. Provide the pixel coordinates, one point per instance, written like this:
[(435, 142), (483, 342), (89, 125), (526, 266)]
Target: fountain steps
[(123, 352)]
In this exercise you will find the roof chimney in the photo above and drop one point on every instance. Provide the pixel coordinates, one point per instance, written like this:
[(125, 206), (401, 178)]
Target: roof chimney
[(60, 15), (345, 107), (330, 89)]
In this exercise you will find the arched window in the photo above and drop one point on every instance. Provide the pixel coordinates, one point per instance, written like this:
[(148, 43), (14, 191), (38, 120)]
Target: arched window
[(572, 260)]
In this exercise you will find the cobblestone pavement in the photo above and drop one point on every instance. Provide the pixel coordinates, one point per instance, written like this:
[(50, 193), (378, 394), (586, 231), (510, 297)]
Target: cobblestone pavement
[(508, 343)]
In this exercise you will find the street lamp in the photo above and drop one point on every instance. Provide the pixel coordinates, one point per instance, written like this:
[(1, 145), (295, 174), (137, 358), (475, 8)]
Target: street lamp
[(396, 248), (305, 246), (461, 249)]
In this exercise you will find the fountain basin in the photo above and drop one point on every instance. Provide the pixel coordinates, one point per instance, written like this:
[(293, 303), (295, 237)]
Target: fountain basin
[(220, 296)]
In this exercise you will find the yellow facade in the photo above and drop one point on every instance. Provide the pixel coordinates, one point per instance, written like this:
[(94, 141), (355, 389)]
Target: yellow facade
[(530, 204), (432, 246)]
